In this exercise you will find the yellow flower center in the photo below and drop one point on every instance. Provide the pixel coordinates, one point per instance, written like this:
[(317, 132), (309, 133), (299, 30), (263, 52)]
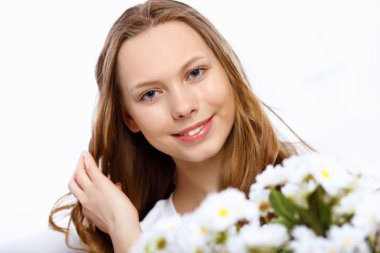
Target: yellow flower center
[(161, 243), (203, 231), (264, 206), (223, 212), (347, 241), (326, 173)]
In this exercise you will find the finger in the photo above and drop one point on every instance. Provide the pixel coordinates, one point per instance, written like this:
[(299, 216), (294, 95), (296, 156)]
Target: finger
[(76, 190), (86, 212), (81, 175), (91, 167), (93, 218)]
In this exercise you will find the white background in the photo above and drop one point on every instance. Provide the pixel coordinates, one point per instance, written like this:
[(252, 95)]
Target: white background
[(317, 62)]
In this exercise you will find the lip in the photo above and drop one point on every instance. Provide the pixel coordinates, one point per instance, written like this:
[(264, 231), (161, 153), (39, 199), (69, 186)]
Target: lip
[(202, 133)]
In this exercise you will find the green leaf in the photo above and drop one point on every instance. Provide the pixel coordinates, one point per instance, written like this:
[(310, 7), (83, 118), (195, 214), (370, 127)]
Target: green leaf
[(283, 207), (285, 222), (289, 214), (309, 219), (320, 208)]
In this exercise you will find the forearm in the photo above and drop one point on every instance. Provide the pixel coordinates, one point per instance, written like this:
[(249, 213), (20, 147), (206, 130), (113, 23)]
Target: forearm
[(123, 237)]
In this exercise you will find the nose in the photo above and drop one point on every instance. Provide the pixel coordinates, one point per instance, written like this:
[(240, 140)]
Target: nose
[(184, 103)]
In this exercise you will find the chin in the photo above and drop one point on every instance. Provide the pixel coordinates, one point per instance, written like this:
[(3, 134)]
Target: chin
[(203, 155)]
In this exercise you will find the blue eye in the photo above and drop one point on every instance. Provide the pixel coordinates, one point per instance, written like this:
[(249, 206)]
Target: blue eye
[(195, 73), (150, 94)]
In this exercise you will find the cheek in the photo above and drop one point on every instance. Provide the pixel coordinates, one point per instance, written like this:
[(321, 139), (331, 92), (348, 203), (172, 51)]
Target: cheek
[(151, 120), (219, 92)]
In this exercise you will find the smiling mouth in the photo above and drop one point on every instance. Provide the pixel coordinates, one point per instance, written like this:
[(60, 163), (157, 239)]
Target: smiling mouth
[(195, 132)]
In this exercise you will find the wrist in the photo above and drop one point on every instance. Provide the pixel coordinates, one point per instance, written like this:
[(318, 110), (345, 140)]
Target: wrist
[(124, 233)]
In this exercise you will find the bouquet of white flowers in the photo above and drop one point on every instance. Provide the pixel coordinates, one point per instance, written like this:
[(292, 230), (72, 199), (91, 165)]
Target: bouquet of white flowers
[(307, 204)]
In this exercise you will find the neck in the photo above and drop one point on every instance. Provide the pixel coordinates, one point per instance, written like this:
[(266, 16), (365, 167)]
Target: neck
[(194, 182)]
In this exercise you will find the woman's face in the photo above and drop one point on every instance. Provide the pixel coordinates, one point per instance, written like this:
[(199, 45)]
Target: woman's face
[(176, 92)]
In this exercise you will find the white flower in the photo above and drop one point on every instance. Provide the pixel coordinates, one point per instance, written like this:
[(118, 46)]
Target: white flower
[(265, 238), (348, 239), (306, 241), (221, 210), (299, 193), (333, 180), (259, 196), (272, 176), (367, 214), (303, 233), (161, 238), (192, 237), (327, 172), (154, 241), (216, 225), (367, 182), (347, 204)]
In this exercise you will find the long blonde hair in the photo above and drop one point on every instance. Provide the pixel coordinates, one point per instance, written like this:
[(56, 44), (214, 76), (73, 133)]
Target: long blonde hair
[(128, 158)]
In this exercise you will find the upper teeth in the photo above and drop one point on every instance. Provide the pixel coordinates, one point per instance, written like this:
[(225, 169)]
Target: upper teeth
[(195, 131)]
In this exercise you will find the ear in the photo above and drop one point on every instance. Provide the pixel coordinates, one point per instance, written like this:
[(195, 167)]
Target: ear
[(130, 123)]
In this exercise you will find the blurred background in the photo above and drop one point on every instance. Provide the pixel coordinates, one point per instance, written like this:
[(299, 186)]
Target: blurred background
[(317, 63)]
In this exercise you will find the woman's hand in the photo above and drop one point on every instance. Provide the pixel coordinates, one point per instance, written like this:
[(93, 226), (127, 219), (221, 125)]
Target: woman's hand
[(103, 202)]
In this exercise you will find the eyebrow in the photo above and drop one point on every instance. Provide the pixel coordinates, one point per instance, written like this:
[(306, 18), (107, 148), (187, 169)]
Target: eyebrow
[(185, 66)]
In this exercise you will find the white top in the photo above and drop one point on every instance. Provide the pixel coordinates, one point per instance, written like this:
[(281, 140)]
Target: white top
[(163, 208)]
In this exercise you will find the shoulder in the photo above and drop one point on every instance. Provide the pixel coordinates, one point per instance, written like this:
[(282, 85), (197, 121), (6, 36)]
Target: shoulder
[(162, 209)]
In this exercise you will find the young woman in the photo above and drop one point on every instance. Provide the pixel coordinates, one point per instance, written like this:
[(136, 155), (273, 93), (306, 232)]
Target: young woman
[(176, 119)]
